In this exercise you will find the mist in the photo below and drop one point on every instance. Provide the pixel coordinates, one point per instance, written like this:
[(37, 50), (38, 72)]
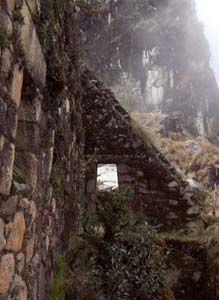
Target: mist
[(208, 14)]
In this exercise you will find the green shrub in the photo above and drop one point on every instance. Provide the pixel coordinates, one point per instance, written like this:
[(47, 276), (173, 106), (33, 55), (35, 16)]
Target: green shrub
[(59, 283), (118, 257)]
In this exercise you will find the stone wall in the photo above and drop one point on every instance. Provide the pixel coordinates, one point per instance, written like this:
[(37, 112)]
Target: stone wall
[(41, 175), (189, 269), (43, 192), (112, 137)]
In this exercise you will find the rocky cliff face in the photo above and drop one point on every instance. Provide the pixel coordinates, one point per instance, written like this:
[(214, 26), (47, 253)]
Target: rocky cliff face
[(162, 46)]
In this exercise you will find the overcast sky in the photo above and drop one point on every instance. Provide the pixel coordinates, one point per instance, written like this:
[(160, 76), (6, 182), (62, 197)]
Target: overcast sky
[(208, 13)]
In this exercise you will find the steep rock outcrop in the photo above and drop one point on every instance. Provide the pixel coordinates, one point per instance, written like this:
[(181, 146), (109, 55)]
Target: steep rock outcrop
[(162, 45)]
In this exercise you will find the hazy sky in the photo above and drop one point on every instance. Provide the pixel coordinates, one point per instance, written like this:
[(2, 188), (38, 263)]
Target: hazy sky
[(208, 13)]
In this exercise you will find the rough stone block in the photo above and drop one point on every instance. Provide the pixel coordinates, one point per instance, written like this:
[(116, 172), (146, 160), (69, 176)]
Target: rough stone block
[(8, 120), (9, 207), (16, 236), (2, 238), (47, 164), (6, 168), (30, 112), (123, 169), (5, 22), (16, 85), (30, 248), (32, 48), (28, 163), (28, 137), (6, 272), (2, 142), (6, 60), (32, 6), (32, 211), (2, 241), (20, 260), (8, 5), (19, 288)]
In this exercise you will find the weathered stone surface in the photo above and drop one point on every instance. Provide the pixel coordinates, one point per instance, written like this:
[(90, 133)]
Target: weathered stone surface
[(8, 120), (19, 288), (8, 5), (5, 22), (47, 155), (6, 62), (21, 188), (6, 172), (8, 208), (53, 205), (32, 6), (140, 165), (28, 137), (188, 269), (8, 227), (16, 85), (2, 141), (30, 112), (2, 242), (47, 243), (24, 203), (28, 162), (30, 248), (2, 237), (6, 272), (194, 210), (173, 185), (47, 163), (33, 211), (171, 216), (15, 239), (2, 225), (20, 258), (32, 48)]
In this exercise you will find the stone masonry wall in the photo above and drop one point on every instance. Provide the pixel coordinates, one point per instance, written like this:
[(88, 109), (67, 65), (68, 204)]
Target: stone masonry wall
[(41, 176), (112, 137), (43, 191), (188, 268)]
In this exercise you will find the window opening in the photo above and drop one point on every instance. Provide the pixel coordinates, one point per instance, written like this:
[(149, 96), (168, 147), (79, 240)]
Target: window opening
[(107, 177)]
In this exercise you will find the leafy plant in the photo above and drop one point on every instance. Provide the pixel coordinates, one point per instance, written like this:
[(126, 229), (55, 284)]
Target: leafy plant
[(59, 283), (117, 257)]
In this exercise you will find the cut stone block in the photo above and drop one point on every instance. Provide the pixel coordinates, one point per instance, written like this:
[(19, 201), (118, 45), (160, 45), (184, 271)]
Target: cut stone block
[(8, 5), (30, 112), (16, 85), (6, 272), (36, 64), (6, 168), (16, 236)]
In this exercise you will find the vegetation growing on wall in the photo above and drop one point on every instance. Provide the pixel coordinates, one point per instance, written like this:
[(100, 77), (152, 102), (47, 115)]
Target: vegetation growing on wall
[(60, 280), (117, 257)]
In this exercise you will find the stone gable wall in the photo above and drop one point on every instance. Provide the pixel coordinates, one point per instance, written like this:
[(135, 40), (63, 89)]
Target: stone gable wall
[(112, 137)]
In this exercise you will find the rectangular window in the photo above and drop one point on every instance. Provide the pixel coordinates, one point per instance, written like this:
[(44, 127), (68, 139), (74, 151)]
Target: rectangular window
[(107, 177)]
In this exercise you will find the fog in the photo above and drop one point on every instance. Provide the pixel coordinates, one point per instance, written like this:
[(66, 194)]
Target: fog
[(208, 11)]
